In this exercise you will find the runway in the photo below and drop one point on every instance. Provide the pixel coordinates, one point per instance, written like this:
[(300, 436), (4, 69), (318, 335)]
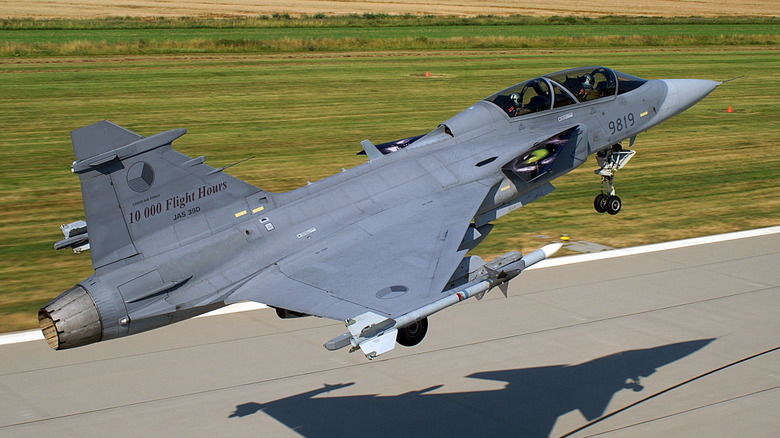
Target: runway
[(663, 342)]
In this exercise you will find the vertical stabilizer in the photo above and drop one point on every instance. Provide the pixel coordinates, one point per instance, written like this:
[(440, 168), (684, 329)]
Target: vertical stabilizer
[(110, 238), (143, 197)]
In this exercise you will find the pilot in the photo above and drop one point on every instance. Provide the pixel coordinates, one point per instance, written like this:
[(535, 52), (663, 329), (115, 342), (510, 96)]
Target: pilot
[(587, 91), (517, 99)]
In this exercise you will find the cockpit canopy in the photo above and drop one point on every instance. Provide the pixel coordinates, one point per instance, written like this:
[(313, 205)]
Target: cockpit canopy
[(564, 88)]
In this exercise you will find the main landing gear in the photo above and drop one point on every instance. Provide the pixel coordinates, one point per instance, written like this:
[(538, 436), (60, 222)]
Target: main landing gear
[(610, 161)]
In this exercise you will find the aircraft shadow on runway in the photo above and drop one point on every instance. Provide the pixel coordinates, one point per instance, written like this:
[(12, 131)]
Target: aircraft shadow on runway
[(529, 405)]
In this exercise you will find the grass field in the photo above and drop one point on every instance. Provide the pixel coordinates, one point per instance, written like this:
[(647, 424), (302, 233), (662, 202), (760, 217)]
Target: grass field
[(369, 32), (303, 115)]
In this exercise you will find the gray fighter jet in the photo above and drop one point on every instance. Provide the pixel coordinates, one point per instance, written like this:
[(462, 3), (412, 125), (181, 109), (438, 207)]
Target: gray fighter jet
[(381, 246)]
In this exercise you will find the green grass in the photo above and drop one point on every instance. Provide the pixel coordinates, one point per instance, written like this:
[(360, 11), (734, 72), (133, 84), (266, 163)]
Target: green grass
[(353, 44), (303, 116), (25, 37)]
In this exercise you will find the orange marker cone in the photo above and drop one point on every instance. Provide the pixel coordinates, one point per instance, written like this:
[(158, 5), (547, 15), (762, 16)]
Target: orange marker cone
[(730, 110), (427, 74)]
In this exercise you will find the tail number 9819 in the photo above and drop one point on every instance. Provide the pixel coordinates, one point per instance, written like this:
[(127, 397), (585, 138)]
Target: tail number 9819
[(621, 123)]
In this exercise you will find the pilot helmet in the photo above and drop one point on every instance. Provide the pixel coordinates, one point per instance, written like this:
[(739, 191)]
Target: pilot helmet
[(587, 81)]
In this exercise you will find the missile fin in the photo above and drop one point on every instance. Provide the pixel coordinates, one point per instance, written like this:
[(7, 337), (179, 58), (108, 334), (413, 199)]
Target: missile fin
[(368, 324), (504, 288), (379, 344)]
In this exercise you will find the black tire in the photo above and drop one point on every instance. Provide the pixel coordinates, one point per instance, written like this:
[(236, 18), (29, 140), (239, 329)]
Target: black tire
[(614, 204), (600, 203), (412, 334)]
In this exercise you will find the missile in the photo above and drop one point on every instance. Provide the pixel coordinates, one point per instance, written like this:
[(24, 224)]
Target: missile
[(375, 334)]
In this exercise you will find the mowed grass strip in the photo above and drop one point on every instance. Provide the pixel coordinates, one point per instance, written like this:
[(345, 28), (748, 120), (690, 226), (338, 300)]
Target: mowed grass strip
[(303, 116), (372, 43), (24, 37)]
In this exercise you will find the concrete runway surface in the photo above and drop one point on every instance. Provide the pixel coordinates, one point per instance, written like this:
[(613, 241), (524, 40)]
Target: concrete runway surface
[(679, 342)]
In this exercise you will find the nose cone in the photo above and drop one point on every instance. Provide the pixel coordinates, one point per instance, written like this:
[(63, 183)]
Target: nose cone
[(682, 94)]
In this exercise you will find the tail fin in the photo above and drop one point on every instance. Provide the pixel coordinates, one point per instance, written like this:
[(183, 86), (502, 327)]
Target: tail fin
[(141, 197)]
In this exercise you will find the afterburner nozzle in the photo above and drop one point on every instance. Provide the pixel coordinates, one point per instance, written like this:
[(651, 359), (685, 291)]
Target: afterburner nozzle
[(71, 320)]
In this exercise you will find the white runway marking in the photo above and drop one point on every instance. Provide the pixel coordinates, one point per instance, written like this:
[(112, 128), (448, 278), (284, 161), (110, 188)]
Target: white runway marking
[(36, 335), (580, 258)]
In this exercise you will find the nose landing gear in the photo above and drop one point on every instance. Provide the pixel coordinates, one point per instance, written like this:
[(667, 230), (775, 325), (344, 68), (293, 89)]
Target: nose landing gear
[(610, 161)]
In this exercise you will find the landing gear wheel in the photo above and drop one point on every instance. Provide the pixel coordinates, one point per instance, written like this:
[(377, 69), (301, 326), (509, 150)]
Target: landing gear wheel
[(613, 205), (600, 203), (412, 334)]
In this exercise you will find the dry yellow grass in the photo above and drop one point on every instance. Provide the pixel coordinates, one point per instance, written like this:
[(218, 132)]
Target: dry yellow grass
[(233, 8)]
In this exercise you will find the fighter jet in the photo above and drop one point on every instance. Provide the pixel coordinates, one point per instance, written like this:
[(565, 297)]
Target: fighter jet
[(381, 246)]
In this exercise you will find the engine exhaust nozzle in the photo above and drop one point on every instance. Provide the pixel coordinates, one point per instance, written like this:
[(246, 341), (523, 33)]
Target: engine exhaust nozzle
[(71, 320)]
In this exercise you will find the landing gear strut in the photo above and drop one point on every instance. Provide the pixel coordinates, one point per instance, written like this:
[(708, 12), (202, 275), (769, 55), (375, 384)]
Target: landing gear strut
[(610, 161)]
